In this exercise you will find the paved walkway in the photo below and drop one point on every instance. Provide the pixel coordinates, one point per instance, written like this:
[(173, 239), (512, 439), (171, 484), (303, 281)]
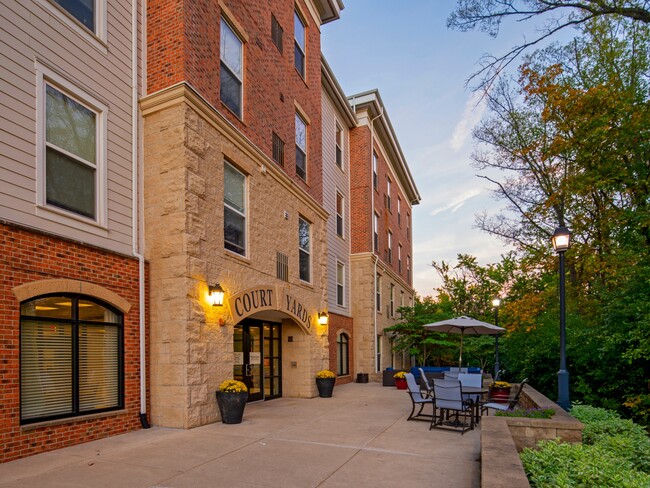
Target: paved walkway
[(357, 438)]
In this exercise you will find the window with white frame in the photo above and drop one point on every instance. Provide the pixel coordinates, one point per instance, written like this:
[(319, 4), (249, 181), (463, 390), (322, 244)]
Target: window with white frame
[(399, 258), (339, 146), (392, 300), (340, 284), (85, 11), (234, 211), (388, 185), (378, 365), (375, 178), (401, 298), (304, 245), (376, 232), (378, 293), (73, 159), (343, 356), (339, 214), (390, 247), (301, 147), (299, 43), (71, 358), (408, 269), (399, 211), (232, 72)]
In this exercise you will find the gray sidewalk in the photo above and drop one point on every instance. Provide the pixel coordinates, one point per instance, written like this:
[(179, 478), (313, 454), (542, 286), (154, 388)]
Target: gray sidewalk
[(357, 438)]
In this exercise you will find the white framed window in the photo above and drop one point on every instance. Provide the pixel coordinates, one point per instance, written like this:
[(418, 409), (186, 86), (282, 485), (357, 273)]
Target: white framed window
[(301, 147), (376, 231), (343, 354), (401, 298), (378, 293), (378, 365), (392, 300), (339, 146), (234, 209), (388, 185), (88, 17), (399, 211), (304, 249), (232, 69), (340, 284), (299, 43), (399, 258), (340, 206), (390, 247), (408, 269), (71, 357), (375, 177), (71, 157)]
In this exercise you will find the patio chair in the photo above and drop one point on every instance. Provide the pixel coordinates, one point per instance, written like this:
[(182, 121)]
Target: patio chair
[(451, 375), (512, 401), (418, 400), (467, 379), (448, 397)]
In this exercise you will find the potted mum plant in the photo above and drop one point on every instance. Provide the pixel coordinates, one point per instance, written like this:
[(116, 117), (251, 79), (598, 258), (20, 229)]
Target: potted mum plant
[(325, 380), (400, 380), (231, 398), (500, 391)]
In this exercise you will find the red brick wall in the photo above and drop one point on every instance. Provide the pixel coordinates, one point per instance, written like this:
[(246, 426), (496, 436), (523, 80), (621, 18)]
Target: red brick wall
[(27, 257), (184, 45), (337, 324), (360, 190)]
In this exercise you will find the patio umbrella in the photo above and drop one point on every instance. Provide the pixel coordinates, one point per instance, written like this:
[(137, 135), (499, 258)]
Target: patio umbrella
[(464, 325)]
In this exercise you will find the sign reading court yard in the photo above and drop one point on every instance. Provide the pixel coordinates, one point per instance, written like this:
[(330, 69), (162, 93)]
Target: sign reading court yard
[(261, 298)]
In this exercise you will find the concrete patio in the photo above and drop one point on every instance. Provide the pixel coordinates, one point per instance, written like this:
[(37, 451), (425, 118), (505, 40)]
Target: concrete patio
[(359, 437)]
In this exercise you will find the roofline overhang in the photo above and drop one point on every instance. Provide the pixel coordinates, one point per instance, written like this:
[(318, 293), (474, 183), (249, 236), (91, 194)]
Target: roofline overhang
[(336, 93), (329, 10), (371, 100)]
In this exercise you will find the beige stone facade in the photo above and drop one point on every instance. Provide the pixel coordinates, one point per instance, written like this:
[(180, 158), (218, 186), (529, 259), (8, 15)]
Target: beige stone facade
[(186, 143)]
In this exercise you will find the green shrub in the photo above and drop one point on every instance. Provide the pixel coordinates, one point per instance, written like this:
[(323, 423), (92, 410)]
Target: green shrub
[(614, 453)]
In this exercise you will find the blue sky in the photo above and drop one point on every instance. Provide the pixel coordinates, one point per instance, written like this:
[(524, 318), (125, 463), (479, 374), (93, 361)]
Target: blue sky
[(420, 67)]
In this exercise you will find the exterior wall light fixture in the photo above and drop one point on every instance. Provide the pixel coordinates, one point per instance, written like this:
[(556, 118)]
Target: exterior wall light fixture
[(323, 318), (216, 295)]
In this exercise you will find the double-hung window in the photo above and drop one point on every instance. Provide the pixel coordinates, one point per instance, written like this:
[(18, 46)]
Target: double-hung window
[(304, 249), (378, 293), (376, 232), (399, 258), (340, 284), (375, 178), (232, 73), (234, 209), (301, 147), (339, 146), (390, 247), (299, 43), (392, 300), (388, 184), (74, 133), (82, 10), (339, 214), (71, 358), (399, 211)]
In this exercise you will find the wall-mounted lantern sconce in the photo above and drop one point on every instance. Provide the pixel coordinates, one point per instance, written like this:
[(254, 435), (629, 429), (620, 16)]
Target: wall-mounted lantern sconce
[(323, 318), (216, 295)]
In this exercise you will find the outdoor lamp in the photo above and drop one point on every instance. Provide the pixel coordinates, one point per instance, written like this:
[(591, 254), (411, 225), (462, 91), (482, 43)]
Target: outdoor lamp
[(561, 242), (561, 239), (216, 295), (497, 366), (323, 318)]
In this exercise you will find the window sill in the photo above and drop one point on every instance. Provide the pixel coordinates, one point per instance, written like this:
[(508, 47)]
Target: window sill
[(71, 420), (238, 257), (72, 220)]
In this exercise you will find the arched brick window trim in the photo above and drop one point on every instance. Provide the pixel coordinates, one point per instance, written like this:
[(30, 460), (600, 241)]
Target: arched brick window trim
[(34, 289)]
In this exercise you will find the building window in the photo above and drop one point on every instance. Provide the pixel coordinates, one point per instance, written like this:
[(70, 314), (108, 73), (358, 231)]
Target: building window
[(408, 226), (278, 149), (401, 298), (82, 10), (234, 212), (376, 232), (340, 284), (299, 43), (408, 269), (343, 356), (390, 247), (231, 69), (399, 258), (392, 300), (301, 147), (304, 244), (276, 33), (378, 293), (281, 266), (339, 146), (388, 184), (71, 358), (375, 178), (399, 211), (378, 365), (74, 133), (339, 214)]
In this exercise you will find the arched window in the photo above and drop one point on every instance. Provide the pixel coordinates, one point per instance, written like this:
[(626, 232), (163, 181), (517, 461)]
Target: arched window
[(71, 357), (343, 355)]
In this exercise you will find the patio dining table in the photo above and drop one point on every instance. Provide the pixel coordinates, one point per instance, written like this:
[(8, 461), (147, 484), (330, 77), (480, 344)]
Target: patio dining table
[(471, 391)]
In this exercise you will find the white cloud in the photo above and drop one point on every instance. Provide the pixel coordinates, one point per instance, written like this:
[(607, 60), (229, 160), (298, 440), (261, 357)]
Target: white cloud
[(474, 107), (457, 202)]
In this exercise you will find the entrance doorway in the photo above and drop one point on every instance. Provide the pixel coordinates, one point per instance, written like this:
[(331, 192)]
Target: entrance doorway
[(258, 358)]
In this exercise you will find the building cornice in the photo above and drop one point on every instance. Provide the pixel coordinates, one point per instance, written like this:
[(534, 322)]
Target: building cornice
[(184, 93), (336, 93)]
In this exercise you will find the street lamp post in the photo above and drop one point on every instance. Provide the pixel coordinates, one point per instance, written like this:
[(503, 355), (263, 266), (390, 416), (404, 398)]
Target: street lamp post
[(495, 303), (561, 242)]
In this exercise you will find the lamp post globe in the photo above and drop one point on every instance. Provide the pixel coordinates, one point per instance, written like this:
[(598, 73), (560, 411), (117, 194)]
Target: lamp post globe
[(561, 241), (497, 366)]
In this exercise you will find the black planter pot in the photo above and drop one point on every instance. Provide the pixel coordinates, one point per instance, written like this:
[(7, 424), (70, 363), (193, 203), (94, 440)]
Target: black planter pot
[(325, 387), (231, 406)]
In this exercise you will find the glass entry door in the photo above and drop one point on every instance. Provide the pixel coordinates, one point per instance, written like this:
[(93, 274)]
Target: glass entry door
[(258, 359)]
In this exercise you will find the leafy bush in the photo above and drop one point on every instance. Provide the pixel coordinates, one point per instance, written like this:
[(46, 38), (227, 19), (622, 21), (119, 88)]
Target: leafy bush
[(531, 413), (614, 453)]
